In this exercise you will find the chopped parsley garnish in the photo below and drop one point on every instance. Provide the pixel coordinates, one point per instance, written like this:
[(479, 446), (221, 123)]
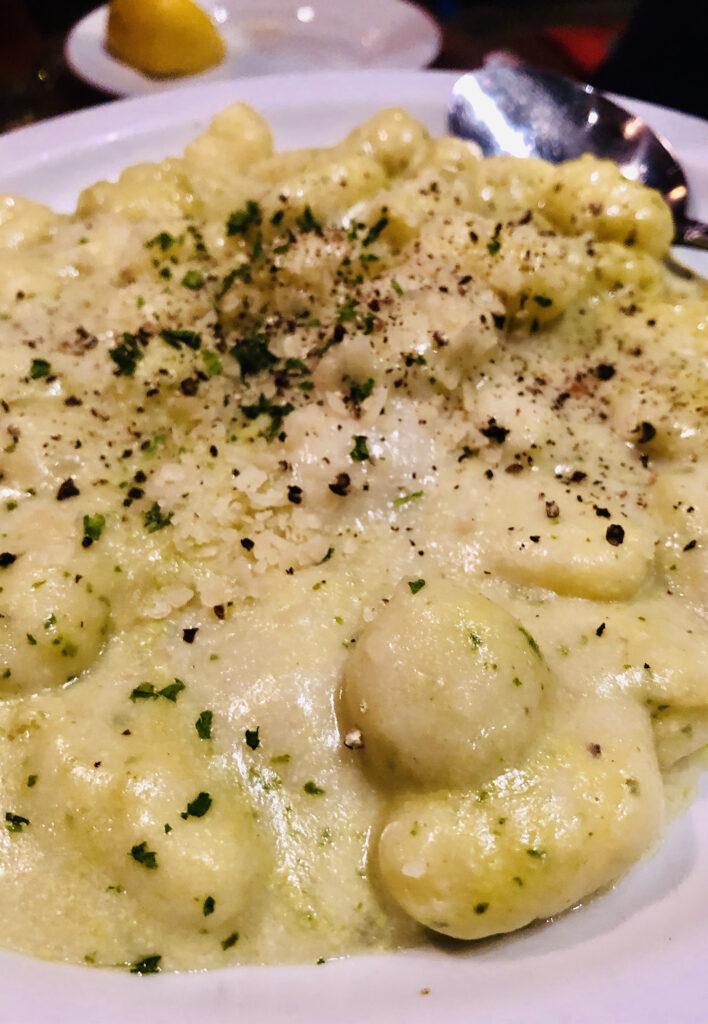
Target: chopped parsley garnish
[(203, 725), (397, 288), (493, 247), (277, 413), (148, 858), (253, 355), (416, 585), (193, 279), (126, 355), (212, 363), (32, 781), (40, 368), (198, 807), (163, 240), (93, 528), (360, 451), (155, 519), (149, 965), (530, 640), (178, 338), (230, 941), (312, 789), (208, 906), (347, 312), (405, 498), (536, 854), (15, 822), (172, 690), (147, 691), (330, 552), (543, 301), (253, 739), (308, 222), (374, 231), (241, 220)]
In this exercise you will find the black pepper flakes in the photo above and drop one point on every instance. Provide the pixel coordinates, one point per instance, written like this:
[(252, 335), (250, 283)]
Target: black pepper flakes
[(219, 611), (295, 494), (6, 559), (614, 534), (340, 485), (247, 543), (595, 749), (67, 489), (646, 431), (494, 431), (189, 634), (604, 371)]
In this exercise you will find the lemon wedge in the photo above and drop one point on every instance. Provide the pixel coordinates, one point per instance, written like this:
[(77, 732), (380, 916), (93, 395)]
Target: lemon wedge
[(163, 37)]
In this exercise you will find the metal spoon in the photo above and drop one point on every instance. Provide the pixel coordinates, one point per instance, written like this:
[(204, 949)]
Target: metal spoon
[(515, 110)]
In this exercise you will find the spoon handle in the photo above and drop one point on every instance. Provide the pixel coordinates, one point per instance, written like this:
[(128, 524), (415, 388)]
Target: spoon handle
[(692, 233)]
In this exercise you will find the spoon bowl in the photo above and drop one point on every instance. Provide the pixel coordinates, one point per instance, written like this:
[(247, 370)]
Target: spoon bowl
[(514, 110)]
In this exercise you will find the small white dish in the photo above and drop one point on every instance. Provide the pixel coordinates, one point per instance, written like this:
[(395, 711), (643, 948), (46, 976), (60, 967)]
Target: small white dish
[(272, 36)]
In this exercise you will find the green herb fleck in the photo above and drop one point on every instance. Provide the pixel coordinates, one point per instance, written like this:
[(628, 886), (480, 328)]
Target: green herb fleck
[(193, 279), (347, 312), (148, 858), (360, 451), (493, 247), (241, 220), (203, 725), (543, 301), (230, 941), (308, 222), (155, 519), (149, 965), (40, 368), (531, 642), (164, 240), (536, 853), (416, 585), (93, 527), (15, 822), (198, 807), (253, 355), (396, 287), (32, 781), (208, 906), (374, 231), (126, 355), (312, 789), (405, 498), (172, 691), (253, 740), (178, 338), (263, 407), (212, 363)]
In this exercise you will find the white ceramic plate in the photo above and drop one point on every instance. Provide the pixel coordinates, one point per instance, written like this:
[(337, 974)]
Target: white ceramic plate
[(274, 36), (633, 956)]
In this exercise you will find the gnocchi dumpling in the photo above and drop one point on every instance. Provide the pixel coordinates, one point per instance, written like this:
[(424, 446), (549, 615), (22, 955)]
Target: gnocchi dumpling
[(446, 687), (540, 837)]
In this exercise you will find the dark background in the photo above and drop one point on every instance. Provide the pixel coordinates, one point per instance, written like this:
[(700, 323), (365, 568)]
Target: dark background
[(655, 50)]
